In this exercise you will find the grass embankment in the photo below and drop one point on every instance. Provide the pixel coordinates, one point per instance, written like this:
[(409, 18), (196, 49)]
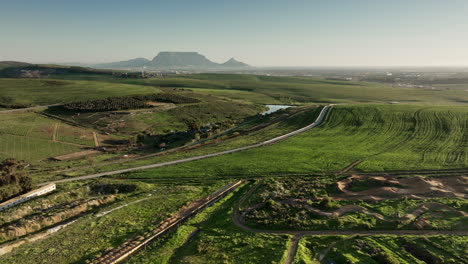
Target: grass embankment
[(91, 234), (211, 237)]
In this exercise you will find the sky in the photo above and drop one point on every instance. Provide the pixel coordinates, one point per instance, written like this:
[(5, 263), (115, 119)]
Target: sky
[(258, 32)]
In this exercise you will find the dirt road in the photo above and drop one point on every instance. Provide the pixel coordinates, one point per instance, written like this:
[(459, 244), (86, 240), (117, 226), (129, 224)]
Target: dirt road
[(27, 109)]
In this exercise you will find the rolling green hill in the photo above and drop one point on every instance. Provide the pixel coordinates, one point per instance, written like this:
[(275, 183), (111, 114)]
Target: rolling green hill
[(292, 90), (49, 91), (383, 137)]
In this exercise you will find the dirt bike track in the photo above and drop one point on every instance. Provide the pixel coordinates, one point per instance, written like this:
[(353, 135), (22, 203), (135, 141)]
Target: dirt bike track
[(237, 219)]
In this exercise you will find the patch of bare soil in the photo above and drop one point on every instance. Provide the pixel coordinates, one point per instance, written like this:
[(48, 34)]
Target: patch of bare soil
[(415, 187), (76, 155)]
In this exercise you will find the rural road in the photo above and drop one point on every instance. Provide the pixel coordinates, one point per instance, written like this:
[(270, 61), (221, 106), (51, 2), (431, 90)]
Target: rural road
[(27, 109), (317, 122)]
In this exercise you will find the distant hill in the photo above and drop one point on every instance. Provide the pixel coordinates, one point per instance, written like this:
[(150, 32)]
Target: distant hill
[(13, 69), (175, 60), (134, 63), (166, 60), (234, 64), (9, 64)]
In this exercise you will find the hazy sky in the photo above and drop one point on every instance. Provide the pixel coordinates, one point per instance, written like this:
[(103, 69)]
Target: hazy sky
[(258, 32)]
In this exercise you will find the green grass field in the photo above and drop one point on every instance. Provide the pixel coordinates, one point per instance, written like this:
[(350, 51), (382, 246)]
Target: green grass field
[(427, 130), (50, 91), (30, 136), (384, 137), (290, 90)]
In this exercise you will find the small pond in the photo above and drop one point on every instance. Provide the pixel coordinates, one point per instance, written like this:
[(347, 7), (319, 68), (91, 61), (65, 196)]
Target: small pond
[(274, 108)]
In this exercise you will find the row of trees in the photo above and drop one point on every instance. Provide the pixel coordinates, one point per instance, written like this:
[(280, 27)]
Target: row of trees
[(128, 102)]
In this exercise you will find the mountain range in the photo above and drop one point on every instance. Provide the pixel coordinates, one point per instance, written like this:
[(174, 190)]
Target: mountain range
[(176, 61)]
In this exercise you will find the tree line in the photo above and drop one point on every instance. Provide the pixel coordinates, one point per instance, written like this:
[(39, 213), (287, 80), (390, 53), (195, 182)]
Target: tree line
[(128, 102)]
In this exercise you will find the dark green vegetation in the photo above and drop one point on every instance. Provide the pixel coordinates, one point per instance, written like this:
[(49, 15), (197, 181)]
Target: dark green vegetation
[(13, 179), (128, 102), (382, 249)]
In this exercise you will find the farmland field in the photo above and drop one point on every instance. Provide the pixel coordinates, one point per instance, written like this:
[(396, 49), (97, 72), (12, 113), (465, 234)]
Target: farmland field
[(292, 90), (383, 137), (49, 91), (32, 137), (234, 132), (405, 170), (32, 149)]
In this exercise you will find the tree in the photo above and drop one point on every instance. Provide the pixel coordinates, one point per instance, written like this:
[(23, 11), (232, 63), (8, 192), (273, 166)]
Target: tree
[(26, 183), (14, 177), (11, 171)]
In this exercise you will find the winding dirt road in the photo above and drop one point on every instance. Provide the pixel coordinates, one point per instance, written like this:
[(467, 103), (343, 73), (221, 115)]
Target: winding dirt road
[(238, 221)]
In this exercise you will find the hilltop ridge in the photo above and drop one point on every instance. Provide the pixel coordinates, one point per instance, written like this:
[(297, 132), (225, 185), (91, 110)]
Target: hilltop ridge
[(175, 60)]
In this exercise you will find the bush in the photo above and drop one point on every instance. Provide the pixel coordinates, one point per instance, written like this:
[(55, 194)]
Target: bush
[(13, 178), (385, 258), (422, 254), (113, 188)]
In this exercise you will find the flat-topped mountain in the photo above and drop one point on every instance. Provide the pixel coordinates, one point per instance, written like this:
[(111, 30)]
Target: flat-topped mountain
[(175, 60), (181, 59)]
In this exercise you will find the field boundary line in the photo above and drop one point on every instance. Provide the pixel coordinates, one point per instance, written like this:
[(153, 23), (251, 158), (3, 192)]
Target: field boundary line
[(96, 140), (54, 133)]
